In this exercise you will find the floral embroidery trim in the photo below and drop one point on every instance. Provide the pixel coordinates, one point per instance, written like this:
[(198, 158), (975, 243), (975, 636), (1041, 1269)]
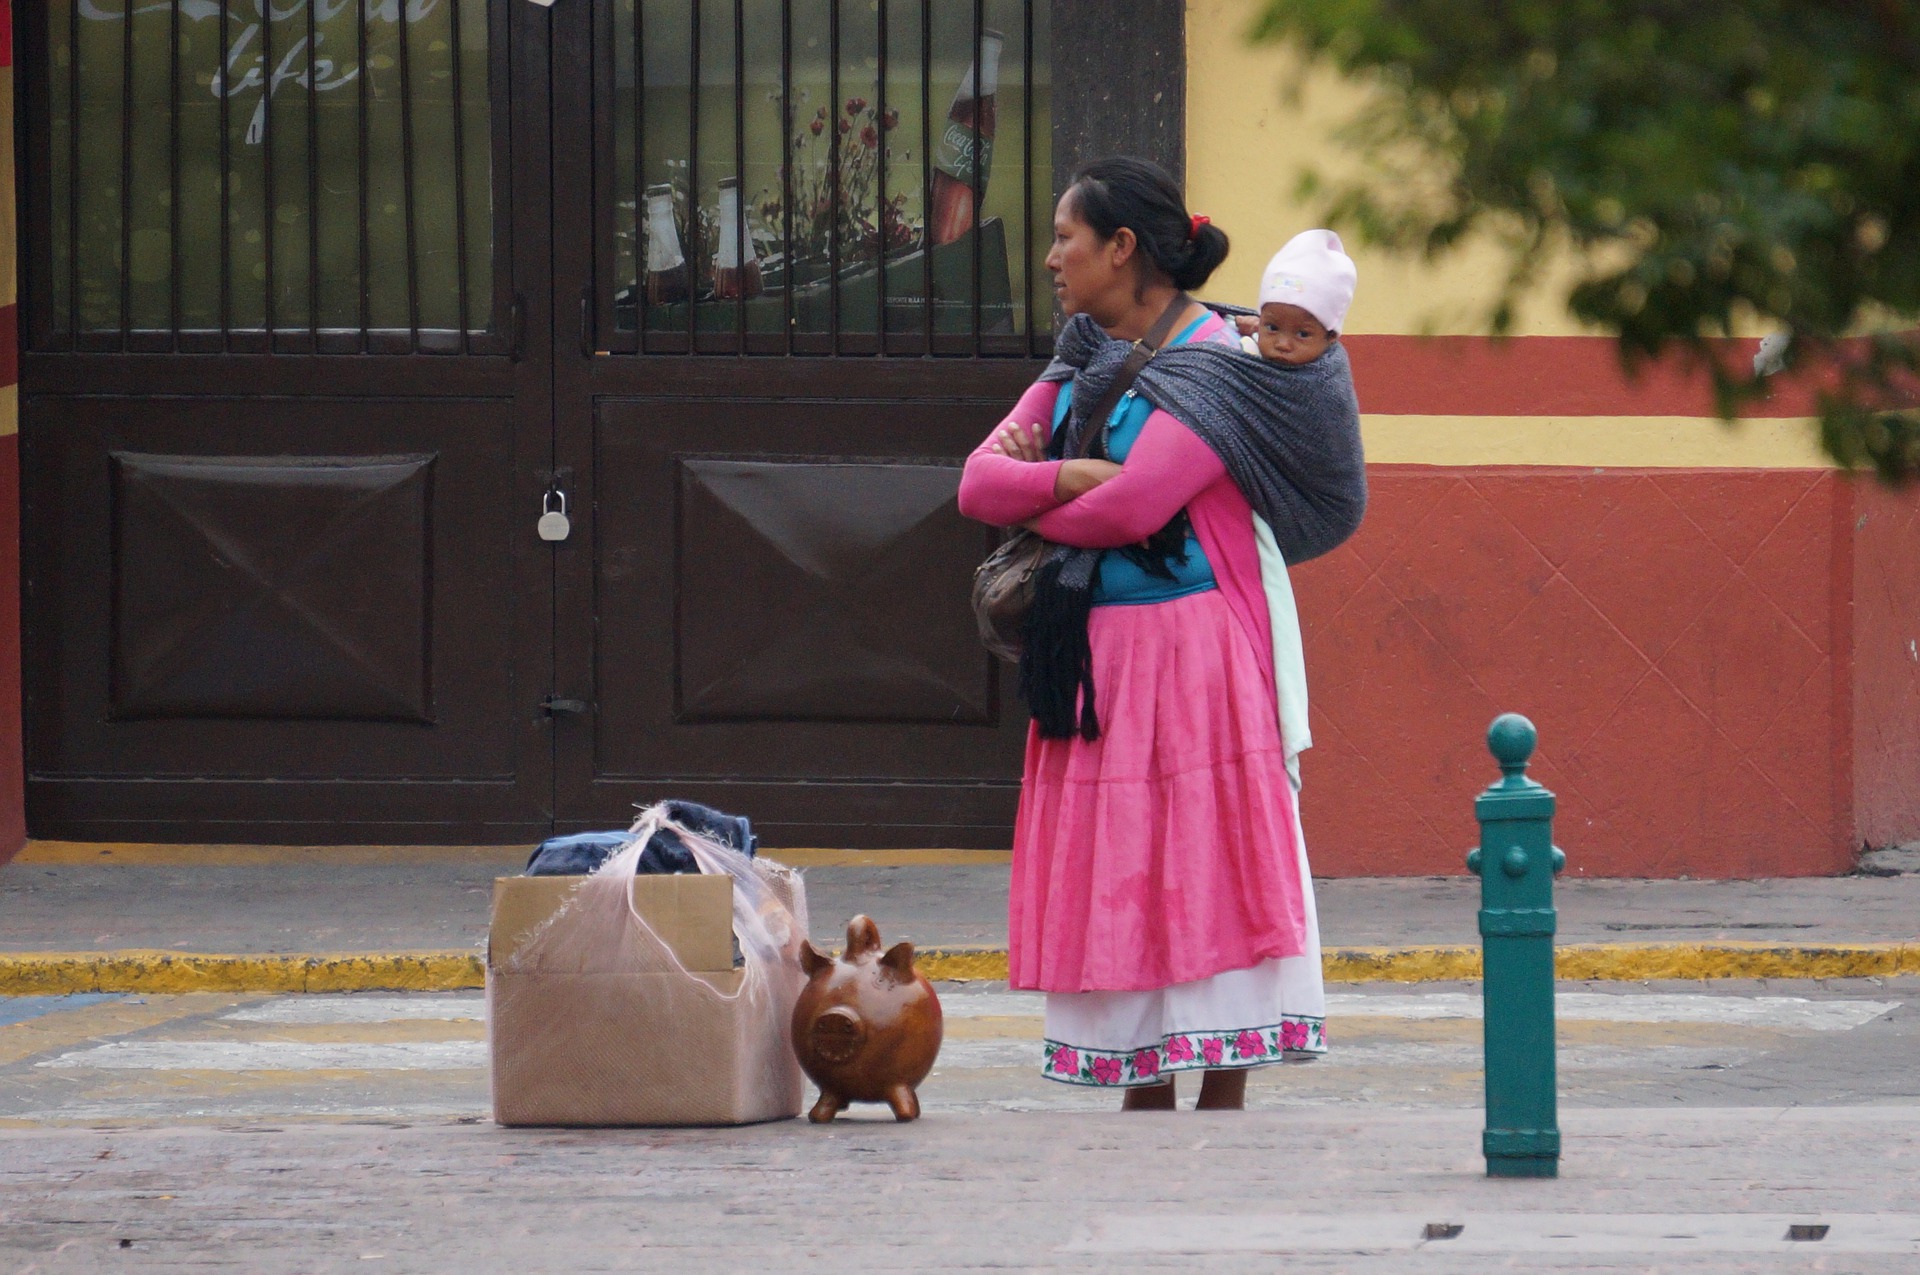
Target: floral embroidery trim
[(1185, 1051)]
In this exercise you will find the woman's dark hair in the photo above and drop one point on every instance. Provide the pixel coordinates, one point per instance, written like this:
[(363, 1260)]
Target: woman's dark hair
[(1143, 197)]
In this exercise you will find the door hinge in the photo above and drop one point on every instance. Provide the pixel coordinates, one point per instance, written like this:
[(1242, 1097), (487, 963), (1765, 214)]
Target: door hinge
[(517, 328), (553, 706)]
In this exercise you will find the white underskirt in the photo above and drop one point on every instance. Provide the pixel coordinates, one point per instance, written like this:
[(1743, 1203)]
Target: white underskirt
[(1270, 1012)]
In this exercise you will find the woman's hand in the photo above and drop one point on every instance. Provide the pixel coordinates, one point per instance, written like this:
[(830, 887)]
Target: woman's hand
[(1078, 477), (1021, 442)]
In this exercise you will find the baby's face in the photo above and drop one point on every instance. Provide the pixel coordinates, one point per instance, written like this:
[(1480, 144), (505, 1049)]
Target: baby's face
[(1288, 334)]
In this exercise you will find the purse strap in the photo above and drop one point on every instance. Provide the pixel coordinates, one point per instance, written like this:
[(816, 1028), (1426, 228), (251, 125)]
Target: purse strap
[(1143, 349)]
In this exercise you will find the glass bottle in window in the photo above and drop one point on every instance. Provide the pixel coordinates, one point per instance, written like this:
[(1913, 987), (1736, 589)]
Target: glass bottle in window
[(666, 264), (955, 161), (736, 267)]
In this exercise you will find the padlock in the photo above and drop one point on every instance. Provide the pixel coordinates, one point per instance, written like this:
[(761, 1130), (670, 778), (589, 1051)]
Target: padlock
[(554, 523)]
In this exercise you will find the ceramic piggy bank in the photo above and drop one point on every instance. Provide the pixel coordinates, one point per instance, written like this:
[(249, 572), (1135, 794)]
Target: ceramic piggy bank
[(867, 1027)]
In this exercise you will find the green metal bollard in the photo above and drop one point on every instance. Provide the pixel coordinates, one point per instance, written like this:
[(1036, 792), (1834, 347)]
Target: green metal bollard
[(1517, 862)]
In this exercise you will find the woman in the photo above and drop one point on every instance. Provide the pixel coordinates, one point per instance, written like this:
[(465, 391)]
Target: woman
[(1160, 893)]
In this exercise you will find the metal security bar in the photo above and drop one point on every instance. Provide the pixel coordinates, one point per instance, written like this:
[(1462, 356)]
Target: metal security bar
[(819, 177), (271, 176)]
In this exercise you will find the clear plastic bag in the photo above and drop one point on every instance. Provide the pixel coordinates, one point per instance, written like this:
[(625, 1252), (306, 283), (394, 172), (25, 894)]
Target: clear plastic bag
[(593, 1018)]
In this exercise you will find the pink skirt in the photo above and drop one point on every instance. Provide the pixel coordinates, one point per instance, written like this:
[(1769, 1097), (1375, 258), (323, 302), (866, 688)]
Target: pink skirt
[(1164, 851)]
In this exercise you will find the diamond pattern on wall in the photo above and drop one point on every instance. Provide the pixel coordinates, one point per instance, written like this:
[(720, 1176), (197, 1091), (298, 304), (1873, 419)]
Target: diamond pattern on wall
[(282, 588), (827, 592), (1648, 568), (1886, 661), (1669, 633)]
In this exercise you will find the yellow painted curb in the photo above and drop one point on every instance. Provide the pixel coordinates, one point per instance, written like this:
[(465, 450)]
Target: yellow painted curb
[(1400, 964), (92, 854), (1619, 962), (163, 973), (1731, 959), (962, 965)]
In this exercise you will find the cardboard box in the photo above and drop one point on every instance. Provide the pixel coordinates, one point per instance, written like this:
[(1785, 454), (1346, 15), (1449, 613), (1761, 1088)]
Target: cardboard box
[(693, 913), (591, 1041)]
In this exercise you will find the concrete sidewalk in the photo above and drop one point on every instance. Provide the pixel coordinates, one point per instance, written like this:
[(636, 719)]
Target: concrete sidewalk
[(119, 905)]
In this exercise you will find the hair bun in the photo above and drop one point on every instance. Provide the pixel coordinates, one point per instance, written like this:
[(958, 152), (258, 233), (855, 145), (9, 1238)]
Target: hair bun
[(1204, 255)]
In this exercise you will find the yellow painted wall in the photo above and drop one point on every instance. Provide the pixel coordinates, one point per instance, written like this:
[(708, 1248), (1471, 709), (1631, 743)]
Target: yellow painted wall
[(1246, 147)]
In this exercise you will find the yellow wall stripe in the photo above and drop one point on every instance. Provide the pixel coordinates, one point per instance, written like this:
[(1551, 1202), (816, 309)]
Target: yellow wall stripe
[(1625, 442)]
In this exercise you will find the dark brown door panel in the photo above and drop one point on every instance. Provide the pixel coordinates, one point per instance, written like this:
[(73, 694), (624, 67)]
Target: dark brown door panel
[(260, 615), (781, 621), (286, 422)]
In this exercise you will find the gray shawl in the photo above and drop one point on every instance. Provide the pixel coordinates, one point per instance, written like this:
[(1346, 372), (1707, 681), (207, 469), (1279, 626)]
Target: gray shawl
[(1288, 435)]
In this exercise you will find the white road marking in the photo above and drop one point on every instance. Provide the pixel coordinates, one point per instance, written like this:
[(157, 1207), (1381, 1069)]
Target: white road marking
[(966, 1055), (955, 1056), (963, 1004), (1790, 1013), (1500, 1233), (1787, 1012), (363, 1008), (277, 1055)]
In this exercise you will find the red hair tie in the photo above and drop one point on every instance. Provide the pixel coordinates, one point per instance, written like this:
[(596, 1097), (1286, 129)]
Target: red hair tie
[(1199, 220)]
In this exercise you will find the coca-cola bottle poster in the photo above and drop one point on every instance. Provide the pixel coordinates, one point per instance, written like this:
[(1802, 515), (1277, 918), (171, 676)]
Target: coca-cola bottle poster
[(963, 156)]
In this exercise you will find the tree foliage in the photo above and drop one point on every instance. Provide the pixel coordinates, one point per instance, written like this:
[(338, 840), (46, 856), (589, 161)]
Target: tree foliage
[(1703, 162)]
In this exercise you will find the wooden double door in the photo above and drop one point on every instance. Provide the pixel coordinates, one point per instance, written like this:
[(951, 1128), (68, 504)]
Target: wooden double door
[(461, 420)]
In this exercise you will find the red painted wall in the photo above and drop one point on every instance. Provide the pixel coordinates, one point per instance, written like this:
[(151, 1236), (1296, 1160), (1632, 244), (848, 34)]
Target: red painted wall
[(1684, 640), (1551, 376), (1886, 664)]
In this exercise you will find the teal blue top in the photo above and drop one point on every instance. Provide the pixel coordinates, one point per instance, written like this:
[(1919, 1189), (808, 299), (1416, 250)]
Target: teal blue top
[(1122, 582)]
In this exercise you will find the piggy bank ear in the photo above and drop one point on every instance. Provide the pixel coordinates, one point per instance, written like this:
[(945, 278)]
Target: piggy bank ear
[(813, 960), (862, 936), (899, 959)]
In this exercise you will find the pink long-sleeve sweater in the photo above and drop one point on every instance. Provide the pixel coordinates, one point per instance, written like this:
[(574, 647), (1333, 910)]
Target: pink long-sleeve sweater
[(1169, 468)]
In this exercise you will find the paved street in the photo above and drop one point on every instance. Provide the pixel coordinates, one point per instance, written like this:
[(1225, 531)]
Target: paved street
[(308, 1133), (68, 1061)]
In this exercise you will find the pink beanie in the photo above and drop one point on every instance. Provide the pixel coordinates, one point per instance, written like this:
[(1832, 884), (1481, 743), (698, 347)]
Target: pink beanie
[(1315, 273)]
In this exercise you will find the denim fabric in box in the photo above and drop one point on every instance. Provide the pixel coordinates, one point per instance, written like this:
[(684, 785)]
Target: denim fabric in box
[(584, 852)]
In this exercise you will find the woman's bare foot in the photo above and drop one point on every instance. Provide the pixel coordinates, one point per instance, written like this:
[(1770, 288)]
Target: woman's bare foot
[(1223, 1091), (1158, 1097)]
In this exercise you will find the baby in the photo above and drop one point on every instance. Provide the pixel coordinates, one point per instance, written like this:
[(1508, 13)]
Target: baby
[(1304, 296)]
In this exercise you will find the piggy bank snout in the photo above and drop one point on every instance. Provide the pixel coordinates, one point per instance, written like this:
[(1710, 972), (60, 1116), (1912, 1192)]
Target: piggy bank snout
[(837, 1034)]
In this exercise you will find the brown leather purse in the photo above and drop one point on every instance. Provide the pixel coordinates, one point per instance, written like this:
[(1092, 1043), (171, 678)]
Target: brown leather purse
[(1003, 584)]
